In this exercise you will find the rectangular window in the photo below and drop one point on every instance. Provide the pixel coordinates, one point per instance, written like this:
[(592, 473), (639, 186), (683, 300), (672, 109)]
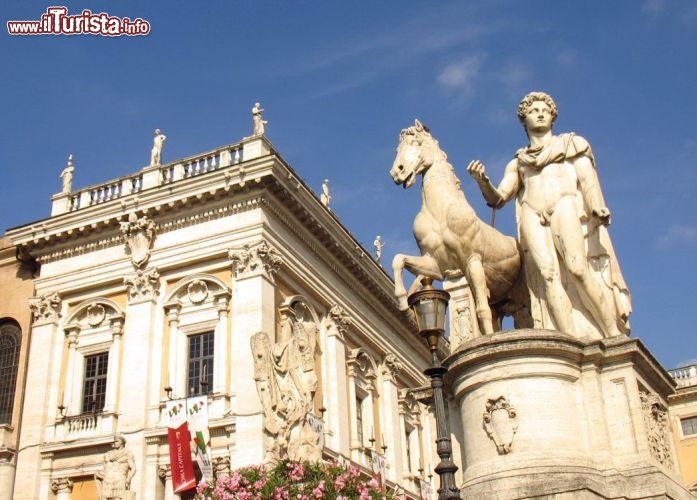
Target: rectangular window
[(200, 371), (407, 437), (94, 387), (359, 420), (689, 426)]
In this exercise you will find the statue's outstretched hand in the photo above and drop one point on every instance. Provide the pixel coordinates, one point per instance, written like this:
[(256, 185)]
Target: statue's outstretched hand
[(477, 171), (602, 213)]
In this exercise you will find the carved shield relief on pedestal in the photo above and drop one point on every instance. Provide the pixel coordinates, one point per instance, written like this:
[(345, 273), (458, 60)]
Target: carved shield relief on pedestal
[(499, 423)]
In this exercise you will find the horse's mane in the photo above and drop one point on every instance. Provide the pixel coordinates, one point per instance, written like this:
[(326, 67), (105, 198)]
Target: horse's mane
[(424, 133)]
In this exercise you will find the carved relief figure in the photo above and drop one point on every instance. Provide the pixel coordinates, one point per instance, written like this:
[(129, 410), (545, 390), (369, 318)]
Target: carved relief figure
[(562, 226), (138, 235), (119, 469), (67, 175), (286, 383), (158, 143), (257, 122), (656, 421), (450, 235)]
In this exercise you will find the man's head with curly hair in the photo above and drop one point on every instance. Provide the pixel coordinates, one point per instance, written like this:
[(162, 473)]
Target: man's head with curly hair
[(533, 97)]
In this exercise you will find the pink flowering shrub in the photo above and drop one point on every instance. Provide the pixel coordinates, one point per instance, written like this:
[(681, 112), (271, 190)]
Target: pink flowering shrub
[(289, 480)]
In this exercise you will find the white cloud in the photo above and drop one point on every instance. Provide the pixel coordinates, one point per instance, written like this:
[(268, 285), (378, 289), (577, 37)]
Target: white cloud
[(678, 235), (460, 76), (567, 57), (653, 7)]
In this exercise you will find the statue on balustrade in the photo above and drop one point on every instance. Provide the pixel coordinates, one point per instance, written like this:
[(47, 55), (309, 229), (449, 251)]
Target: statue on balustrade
[(257, 121), (286, 383), (325, 197), (156, 153), (67, 175), (572, 272), (119, 469)]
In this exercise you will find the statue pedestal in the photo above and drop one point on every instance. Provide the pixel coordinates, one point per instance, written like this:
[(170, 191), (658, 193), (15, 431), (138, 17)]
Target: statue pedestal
[(546, 414)]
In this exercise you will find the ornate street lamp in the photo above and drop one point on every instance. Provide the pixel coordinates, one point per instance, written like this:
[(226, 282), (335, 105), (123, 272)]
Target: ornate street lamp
[(429, 305)]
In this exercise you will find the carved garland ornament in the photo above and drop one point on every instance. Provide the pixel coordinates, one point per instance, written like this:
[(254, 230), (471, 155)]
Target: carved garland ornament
[(197, 291), (499, 425), (95, 315)]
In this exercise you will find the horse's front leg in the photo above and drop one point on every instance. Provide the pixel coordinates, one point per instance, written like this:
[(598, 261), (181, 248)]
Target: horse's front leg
[(421, 265), (474, 272)]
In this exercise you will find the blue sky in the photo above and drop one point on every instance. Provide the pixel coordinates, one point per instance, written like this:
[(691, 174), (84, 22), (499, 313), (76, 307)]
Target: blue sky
[(339, 80)]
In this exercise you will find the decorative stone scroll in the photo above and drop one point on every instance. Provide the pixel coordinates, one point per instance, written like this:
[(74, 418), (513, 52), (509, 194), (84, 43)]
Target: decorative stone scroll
[(255, 260), (138, 234), (499, 425), (656, 421), (45, 308), (286, 382), (144, 285), (337, 322)]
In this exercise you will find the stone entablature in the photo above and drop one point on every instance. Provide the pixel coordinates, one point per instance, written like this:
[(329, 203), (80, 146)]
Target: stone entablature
[(258, 178)]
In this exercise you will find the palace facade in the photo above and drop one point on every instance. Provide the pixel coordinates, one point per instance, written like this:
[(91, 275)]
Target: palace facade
[(157, 286)]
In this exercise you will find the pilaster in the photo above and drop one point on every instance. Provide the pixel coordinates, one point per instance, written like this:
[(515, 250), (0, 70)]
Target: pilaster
[(41, 392), (389, 409), (253, 308), (338, 426)]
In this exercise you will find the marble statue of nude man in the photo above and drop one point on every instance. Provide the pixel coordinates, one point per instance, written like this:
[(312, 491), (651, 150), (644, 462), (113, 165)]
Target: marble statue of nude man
[(560, 212), (156, 153)]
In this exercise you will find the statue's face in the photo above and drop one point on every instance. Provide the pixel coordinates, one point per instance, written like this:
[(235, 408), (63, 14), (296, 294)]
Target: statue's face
[(538, 117)]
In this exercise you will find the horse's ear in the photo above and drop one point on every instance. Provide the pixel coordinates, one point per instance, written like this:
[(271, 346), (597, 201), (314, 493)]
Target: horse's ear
[(419, 127)]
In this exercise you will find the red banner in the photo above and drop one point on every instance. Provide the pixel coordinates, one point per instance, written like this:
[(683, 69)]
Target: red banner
[(180, 458)]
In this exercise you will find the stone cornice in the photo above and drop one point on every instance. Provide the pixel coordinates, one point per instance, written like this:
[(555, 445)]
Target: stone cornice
[(615, 351)]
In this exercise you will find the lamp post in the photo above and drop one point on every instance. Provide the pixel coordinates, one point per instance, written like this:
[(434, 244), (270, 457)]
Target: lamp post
[(429, 305)]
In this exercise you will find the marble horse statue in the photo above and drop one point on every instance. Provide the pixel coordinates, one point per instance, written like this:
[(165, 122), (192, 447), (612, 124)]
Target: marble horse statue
[(452, 238)]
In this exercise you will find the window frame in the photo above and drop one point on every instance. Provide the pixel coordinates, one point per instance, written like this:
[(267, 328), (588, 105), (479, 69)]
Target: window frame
[(101, 377), (9, 329), (208, 343), (693, 423)]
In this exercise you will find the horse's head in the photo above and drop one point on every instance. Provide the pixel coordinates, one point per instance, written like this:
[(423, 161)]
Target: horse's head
[(415, 154)]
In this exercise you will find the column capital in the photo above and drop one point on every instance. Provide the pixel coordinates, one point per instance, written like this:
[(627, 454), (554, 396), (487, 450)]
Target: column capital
[(45, 308), (337, 322), (142, 286), (62, 485), (258, 259)]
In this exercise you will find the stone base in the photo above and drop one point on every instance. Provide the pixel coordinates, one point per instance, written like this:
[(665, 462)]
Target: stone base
[(546, 415)]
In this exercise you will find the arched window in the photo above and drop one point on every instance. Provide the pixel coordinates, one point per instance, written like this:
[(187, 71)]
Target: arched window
[(10, 340)]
